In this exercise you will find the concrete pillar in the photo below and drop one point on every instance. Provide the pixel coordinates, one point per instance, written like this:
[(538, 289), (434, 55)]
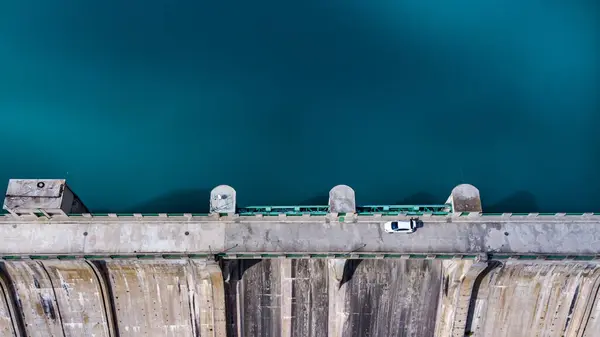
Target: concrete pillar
[(342, 200), (465, 292), (453, 272), (222, 199), (338, 315), (465, 198), (212, 290), (45, 196), (286, 296)]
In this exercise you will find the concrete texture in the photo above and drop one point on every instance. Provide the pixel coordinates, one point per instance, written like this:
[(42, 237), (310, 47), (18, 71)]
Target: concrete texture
[(520, 299), (114, 298), (7, 312), (130, 235), (465, 198), (299, 298), (295, 298), (166, 298), (47, 196), (58, 299), (342, 199), (453, 275)]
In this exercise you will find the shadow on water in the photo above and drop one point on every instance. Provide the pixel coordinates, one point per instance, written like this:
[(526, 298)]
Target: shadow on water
[(420, 198), (519, 202), (194, 201), (180, 201), (318, 200), (350, 267)]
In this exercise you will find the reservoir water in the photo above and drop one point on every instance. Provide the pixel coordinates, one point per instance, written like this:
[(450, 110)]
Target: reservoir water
[(147, 105)]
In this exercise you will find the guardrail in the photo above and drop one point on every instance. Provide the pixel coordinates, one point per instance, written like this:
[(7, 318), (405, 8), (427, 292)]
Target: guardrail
[(310, 210), (288, 210), (316, 213), (337, 255), (360, 210)]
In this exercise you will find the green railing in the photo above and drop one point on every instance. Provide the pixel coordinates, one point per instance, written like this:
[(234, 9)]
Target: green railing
[(369, 210), (360, 210), (288, 210), (404, 210)]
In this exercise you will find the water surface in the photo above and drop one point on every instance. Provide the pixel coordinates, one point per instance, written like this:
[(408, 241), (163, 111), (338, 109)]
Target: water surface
[(146, 105)]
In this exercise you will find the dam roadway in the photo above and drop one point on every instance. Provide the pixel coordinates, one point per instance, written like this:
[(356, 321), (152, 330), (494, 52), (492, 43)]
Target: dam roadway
[(459, 274)]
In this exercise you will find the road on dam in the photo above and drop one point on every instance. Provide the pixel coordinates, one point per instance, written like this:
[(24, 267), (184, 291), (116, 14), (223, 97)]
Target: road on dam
[(458, 235), (299, 297)]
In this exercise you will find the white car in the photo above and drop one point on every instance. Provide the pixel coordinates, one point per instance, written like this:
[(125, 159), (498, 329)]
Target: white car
[(405, 227)]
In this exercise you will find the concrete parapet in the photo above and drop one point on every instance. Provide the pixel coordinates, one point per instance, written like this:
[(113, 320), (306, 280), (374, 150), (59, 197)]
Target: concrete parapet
[(46, 196), (342, 199), (465, 198), (337, 311)]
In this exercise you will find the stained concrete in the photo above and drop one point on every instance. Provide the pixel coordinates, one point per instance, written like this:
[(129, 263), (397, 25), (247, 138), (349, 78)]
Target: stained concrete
[(371, 298), (524, 299), (58, 299), (165, 298), (300, 297), (113, 298), (7, 319)]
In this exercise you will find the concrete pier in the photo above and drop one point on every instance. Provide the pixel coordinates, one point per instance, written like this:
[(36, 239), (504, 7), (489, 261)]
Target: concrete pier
[(465, 198), (295, 274)]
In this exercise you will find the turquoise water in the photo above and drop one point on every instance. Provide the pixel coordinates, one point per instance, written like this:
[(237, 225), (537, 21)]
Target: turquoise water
[(146, 105)]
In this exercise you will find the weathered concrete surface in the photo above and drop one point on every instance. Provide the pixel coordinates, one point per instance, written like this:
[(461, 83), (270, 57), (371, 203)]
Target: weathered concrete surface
[(116, 298), (453, 274), (590, 322), (58, 298), (300, 297), (542, 299), (465, 198), (370, 297), (168, 298), (7, 323), (48, 196), (434, 237), (342, 199), (563, 235), (392, 298), (107, 237), (459, 282)]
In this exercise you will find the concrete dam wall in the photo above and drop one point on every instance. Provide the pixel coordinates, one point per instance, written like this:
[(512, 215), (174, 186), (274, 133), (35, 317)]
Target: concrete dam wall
[(294, 271), (299, 297)]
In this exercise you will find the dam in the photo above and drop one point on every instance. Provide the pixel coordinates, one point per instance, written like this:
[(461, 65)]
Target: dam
[(313, 270)]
